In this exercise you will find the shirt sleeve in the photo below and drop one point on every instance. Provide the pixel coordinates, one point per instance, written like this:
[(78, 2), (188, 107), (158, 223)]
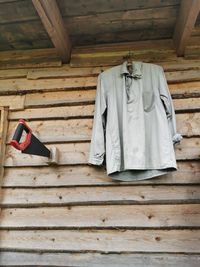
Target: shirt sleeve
[(97, 145), (166, 98)]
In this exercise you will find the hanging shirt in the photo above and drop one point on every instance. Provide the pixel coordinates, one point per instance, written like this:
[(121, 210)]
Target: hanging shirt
[(134, 126)]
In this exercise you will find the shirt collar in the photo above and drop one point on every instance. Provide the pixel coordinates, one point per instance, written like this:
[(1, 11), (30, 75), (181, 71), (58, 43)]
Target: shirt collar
[(137, 73)]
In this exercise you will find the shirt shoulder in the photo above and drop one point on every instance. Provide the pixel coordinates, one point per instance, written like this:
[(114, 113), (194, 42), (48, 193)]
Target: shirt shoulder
[(111, 71), (152, 66)]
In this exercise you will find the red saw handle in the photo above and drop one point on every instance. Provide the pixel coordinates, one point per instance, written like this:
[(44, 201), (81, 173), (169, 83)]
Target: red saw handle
[(22, 126)]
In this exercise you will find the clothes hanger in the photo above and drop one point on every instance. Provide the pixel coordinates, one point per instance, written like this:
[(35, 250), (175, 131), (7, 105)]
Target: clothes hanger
[(129, 58)]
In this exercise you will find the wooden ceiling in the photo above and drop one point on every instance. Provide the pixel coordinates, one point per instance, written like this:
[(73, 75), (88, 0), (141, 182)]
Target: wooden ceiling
[(32, 24)]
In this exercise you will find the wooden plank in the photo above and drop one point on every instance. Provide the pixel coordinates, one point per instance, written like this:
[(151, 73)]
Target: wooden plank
[(18, 11), (88, 96), (20, 85), (14, 102), (125, 20), (164, 32), (95, 195), (104, 216), (3, 133), (15, 73), (87, 110), (188, 173), (29, 58), (72, 9), (115, 58), (28, 35), (78, 153), (102, 240), (62, 130), (136, 46), (183, 76), (27, 54), (96, 259), (192, 50), (178, 90), (23, 85), (188, 13), (185, 89), (52, 20), (37, 63), (56, 131), (66, 71), (188, 124), (190, 104), (63, 71), (64, 112), (60, 98)]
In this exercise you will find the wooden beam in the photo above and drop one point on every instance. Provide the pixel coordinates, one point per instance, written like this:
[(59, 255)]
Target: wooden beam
[(52, 20), (189, 11), (3, 134)]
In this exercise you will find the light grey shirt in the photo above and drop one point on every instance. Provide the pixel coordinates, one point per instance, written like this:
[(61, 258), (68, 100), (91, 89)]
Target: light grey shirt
[(134, 126)]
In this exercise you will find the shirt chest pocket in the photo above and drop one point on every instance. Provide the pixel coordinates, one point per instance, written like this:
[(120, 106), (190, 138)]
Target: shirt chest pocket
[(148, 100)]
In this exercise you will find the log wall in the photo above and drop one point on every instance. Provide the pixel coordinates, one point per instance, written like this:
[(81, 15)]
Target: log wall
[(73, 214)]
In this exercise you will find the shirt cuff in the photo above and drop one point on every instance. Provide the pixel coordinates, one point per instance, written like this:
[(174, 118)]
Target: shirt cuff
[(177, 138), (95, 161)]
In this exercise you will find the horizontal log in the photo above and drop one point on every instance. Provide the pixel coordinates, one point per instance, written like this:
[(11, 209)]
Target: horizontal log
[(105, 58), (28, 86), (75, 97), (188, 173), (66, 71), (185, 89), (188, 124), (16, 73), (14, 102), (23, 85), (136, 46), (148, 216), (55, 131), (183, 76), (52, 131), (96, 259), (123, 21), (102, 240), (28, 54), (85, 96), (63, 71), (113, 6), (29, 197), (60, 98), (64, 112), (121, 36), (72, 9), (188, 104), (10, 86), (78, 153), (31, 63)]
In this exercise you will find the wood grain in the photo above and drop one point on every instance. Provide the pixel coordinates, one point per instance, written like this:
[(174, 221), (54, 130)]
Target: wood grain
[(104, 216), (59, 176), (102, 240), (58, 130), (78, 153), (95, 259), (29, 197), (87, 110)]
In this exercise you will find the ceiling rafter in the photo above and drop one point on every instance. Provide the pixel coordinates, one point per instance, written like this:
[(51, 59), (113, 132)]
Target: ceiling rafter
[(187, 16), (52, 20)]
